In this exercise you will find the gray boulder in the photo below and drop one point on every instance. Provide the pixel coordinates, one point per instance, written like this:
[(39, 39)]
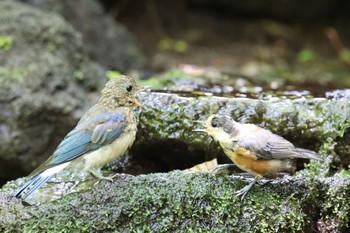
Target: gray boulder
[(44, 79), (106, 41)]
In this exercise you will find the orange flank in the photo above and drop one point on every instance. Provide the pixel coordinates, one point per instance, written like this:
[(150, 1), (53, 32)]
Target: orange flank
[(259, 168)]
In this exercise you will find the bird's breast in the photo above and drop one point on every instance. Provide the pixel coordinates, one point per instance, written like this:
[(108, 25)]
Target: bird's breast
[(106, 153)]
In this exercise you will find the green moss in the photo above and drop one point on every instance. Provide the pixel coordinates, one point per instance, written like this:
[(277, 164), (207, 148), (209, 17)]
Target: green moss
[(182, 202), (51, 47), (6, 42), (13, 73), (336, 209), (345, 173), (78, 74)]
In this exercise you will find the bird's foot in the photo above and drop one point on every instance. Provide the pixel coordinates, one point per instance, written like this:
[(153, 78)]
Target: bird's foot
[(243, 192), (222, 168), (100, 177)]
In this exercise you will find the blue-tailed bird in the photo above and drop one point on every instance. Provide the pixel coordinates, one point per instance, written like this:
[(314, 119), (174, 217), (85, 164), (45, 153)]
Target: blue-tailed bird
[(103, 134)]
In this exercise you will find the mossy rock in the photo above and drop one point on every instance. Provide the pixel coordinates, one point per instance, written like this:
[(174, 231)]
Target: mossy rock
[(182, 202), (166, 126)]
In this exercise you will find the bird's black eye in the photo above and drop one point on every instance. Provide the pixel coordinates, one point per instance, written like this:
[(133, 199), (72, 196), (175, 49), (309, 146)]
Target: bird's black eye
[(129, 88), (214, 123)]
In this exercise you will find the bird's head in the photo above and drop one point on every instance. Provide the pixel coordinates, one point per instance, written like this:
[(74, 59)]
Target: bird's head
[(121, 91), (220, 127)]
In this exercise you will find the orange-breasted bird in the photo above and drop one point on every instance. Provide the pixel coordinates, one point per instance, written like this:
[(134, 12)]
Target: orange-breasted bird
[(253, 149)]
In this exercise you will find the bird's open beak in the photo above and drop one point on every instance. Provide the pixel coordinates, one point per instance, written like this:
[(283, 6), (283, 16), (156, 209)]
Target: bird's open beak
[(200, 130)]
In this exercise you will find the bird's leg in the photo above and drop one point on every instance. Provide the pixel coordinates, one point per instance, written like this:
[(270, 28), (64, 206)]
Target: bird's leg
[(100, 177), (222, 168), (243, 192)]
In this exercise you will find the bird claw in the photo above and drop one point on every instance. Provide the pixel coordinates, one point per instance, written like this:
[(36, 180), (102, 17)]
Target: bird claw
[(100, 177), (243, 192)]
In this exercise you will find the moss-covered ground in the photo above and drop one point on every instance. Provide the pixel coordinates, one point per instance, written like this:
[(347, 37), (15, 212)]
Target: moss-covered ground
[(183, 202)]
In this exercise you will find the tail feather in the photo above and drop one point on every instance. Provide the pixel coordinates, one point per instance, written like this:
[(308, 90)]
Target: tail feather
[(32, 185), (288, 165), (37, 181), (308, 154)]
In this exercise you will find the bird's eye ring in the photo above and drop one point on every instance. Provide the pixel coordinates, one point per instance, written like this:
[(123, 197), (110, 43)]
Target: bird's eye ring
[(214, 124), (129, 88)]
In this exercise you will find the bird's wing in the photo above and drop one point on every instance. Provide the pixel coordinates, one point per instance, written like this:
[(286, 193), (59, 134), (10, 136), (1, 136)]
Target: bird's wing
[(89, 135), (266, 145), (98, 131)]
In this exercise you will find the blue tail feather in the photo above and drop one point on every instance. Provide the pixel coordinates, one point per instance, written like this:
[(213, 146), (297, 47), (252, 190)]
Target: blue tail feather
[(33, 184)]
